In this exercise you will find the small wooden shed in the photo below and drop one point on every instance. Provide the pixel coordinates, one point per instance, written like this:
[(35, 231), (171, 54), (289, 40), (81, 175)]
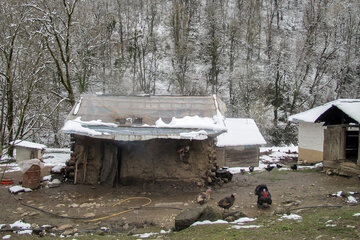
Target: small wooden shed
[(127, 139), (239, 146), (26, 150), (330, 133)]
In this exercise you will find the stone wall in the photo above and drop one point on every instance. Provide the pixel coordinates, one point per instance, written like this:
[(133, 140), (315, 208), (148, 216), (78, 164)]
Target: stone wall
[(111, 162)]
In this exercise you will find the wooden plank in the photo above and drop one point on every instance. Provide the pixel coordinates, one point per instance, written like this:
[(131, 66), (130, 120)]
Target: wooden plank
[(241, 157), (334, 143)]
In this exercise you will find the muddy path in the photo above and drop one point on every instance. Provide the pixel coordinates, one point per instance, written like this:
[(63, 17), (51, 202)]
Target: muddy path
[(62, 205)]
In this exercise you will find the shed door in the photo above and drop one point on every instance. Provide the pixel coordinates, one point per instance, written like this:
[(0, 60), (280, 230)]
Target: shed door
[(334, 145), (109, 166)]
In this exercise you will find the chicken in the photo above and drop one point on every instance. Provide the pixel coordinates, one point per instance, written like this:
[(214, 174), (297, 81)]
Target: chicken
[(269, 168), (203, 197), (227, 202), (251, 168), (264, 196), (293, 167), (278, 165)]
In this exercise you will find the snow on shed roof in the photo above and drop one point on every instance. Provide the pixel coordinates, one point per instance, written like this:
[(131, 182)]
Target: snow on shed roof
[(27, 144), (241, 131), (350, 107), (130, 118)]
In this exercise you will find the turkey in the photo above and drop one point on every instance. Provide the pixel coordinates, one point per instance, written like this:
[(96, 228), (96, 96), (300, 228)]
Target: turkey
[(269, 168), (203, 197), (264, 196), (293, 167), (251, 168), (227, 202)]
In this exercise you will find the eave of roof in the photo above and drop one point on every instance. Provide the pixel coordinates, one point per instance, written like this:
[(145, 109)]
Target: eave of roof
[(144, 133), (350, 107)]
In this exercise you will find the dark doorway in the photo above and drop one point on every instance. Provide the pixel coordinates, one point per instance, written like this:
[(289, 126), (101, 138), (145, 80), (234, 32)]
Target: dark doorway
[(118, 172), (352, 143)]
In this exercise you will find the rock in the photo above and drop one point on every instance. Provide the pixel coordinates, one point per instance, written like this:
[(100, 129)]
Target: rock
[(69, 231), (74, 205), (64, 227), (236, 214), (210, 213), (230, 219), (34, 225), (89, 215), (86, 205), (281, 210), (126, 226), (187, 217)]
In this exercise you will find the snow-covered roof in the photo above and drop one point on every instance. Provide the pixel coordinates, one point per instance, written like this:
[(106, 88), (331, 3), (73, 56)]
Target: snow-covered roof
[(27, 144), (130, 118), (241, 131), (350, 107)]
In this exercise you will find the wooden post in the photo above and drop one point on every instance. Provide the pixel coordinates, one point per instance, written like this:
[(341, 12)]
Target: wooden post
[(84, 164), (76, 169)]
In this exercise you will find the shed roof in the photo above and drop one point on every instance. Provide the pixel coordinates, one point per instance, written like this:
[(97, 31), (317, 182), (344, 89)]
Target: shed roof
[(350, 107), (131, 118), (240, 132), (27, 144)]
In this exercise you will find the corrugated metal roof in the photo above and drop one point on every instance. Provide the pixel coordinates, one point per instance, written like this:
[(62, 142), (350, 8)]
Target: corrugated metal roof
[(133, 117), (140, 110)]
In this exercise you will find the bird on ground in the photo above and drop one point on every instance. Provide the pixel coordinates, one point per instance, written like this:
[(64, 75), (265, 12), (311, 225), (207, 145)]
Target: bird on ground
[(264, 196), (269, 168), (278, 165), (251, 168), (203, 197), (242, 171), (227, 202), (293, 167)]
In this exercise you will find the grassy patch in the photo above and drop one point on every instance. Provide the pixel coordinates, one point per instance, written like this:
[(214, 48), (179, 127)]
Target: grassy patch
[(312, 225)]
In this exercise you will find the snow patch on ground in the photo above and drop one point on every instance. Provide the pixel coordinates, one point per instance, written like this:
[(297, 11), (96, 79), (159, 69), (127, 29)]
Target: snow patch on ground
[(20, 225), (356, 215), (290, 217), (351, 199), (247, 226), (243, 220), (207, 222), (145, 235), (18, 188)]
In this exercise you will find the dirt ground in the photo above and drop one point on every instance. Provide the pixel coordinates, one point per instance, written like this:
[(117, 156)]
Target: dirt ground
[(293, 189)]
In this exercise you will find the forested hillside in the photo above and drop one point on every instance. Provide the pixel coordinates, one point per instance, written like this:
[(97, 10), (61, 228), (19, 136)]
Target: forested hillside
[(267, 59)]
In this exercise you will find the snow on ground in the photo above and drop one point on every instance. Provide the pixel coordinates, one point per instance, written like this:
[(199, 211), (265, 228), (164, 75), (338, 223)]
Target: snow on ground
[(208, 222), (18, 188), (348, 195), (237, 224), (247, 226), (356, 215), (145, 235), (20, 225), (290, 217)]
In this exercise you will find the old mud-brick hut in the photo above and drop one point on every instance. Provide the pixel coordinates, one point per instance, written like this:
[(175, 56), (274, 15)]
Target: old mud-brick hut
[(330, 133), (239, 146), (129, 139)]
